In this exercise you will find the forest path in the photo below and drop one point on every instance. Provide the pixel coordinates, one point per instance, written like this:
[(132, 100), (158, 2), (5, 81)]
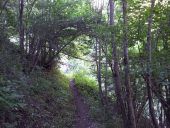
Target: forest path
[(82, 109)]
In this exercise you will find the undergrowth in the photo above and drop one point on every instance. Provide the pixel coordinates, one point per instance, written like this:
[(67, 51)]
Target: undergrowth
[(88, 87), (38, 100)]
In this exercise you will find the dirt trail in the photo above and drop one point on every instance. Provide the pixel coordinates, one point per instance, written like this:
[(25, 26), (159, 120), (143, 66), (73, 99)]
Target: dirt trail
[(82, 109)]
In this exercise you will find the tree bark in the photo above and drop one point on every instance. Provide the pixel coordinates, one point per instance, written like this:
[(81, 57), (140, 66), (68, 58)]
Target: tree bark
[(115, 73), (129, 90), (21, 27), (106, 74), (149, 61), (98, 63)]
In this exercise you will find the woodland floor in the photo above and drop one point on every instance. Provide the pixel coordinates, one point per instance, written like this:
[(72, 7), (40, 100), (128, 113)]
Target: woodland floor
[(82, 117)]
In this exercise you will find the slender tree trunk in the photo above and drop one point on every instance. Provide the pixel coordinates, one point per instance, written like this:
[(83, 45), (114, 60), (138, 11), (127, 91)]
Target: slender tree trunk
[(129, 90), (99, 72), (106, 74), (98, 65), (160, 117), (115, 64), (149, 61), (21, 27), (140, 110)]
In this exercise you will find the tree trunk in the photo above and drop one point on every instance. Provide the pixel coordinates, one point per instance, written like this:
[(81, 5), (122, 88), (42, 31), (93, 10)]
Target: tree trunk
[(116, 75), (129, 90), (21, 27), (99, 70), (106, 74), (149, 61)]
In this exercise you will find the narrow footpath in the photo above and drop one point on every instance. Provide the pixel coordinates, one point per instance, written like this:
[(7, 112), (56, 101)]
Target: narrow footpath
[(82, 110)]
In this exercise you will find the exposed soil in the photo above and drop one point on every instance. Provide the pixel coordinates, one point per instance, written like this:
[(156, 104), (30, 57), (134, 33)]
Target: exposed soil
[(82, 118)]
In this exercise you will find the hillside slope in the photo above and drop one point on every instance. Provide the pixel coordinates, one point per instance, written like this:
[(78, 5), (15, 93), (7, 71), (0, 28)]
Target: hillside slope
[(38, 100)]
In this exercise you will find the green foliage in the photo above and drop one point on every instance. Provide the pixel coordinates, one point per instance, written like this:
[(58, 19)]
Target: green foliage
[(50, 93), (39, 99), (8, 69), (44, 97), (89, 89), (8, 94), (87, 85)]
